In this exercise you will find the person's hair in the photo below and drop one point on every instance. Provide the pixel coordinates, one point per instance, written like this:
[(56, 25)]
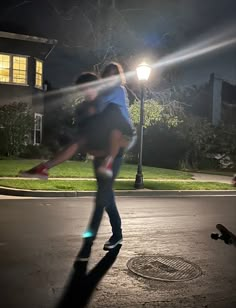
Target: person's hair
[(112, 69), (86, 77)]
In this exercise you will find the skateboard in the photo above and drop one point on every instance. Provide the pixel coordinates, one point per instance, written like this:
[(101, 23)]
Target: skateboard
[(225, 235)]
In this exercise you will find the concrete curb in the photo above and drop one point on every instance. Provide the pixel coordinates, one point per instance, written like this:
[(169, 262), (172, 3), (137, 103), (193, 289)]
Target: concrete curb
[(125, 193)]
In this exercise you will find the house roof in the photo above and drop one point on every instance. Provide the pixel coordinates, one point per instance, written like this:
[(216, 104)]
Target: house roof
[(28, 38)]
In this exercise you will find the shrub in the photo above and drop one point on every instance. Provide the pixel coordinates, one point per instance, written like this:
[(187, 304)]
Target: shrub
[(35, 152), (16, 122)]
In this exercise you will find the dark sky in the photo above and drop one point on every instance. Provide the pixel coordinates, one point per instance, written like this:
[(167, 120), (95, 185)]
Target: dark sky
[(154, 27)]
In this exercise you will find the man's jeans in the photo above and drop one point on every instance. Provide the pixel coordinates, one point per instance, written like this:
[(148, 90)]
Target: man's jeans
[(105, 199)]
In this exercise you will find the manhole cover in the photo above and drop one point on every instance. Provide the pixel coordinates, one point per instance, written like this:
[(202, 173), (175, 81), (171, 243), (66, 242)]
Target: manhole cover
[(164, 268)]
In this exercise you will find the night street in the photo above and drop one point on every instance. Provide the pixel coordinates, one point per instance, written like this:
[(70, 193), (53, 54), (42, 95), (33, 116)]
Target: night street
[(127, 106), (39, 239)]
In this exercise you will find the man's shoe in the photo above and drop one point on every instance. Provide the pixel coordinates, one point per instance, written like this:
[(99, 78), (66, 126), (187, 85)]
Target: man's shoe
[(113, 242), (38, 172)]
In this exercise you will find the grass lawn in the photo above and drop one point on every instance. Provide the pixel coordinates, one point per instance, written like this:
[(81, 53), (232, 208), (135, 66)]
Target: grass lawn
[(89, 185), (84, 170)]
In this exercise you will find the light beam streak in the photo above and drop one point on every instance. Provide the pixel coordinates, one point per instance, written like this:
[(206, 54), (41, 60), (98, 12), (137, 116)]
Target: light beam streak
[(208, 44)]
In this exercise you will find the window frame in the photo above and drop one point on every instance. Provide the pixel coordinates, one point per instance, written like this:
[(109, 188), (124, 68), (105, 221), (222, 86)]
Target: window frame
[(42, 62), (11, 70), (40, 115)]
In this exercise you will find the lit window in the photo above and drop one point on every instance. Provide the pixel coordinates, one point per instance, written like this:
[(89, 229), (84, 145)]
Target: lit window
[(13, 69), (19, 70), (39, 74), (4, 68), (38, 127)]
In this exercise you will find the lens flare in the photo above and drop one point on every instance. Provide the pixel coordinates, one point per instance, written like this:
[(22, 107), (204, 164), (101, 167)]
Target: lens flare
[(191, 53), (209, 43)]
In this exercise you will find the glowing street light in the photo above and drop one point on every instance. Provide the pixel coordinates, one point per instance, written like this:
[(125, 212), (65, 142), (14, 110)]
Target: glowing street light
[(143, 73)]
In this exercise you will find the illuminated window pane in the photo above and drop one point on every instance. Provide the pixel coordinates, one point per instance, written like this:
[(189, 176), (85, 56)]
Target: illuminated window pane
[(4, 68), (39, 74), (4, 75), (19, 76), (19, 63), (38, 81), (13, 69), (39, 67), (4, 61), (19, 70)]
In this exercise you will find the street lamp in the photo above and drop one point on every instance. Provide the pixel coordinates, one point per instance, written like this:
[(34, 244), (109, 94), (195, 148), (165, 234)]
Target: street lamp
[(143, 73)]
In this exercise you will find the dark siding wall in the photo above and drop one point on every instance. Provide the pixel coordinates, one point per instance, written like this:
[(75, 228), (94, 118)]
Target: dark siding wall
[(11, 93), (32, 49), (228, 103)]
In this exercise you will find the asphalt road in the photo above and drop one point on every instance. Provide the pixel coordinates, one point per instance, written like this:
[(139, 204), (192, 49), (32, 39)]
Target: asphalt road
[(39, 239)]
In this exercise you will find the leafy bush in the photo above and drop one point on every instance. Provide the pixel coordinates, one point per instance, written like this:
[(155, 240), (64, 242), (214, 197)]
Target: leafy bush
[(16, 121), (130, 157), (154, 113), (3, 142), (173, 139), (162, 146), (35, 151), (207, 145)]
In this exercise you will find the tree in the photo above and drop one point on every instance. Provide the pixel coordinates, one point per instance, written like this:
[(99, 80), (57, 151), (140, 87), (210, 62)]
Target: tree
[(155, 113), (160, 135), (97, 28), (105, 30)]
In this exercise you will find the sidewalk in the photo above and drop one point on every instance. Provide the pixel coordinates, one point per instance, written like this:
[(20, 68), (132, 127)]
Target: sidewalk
[(140, 192), (200, 177), (203, 177)]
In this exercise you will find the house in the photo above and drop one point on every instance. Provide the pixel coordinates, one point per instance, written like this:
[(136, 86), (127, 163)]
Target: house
[(22, 60), (223, 96)]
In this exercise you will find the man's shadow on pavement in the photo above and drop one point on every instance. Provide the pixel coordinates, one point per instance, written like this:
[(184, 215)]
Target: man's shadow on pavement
[(82, 284)]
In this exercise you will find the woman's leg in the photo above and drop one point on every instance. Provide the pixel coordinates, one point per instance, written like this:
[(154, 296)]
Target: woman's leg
[(116, 141)]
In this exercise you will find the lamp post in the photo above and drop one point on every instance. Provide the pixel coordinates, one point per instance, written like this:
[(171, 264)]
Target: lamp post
[(143, 73)]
